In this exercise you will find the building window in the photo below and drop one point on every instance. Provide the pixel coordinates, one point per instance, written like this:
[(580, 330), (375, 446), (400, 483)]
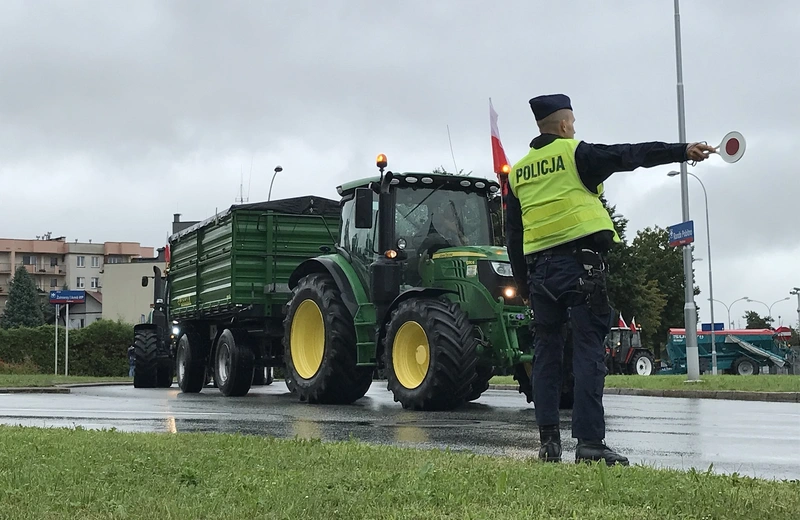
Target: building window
[(81, 261), (95, 261), (53, 261), (95, 283), (81, 282), (82, 322), (53, 282), (29, 259)]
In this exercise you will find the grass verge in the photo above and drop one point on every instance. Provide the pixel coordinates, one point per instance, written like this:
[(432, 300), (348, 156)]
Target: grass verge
[(50, 473), (42, 380), (758, 383)]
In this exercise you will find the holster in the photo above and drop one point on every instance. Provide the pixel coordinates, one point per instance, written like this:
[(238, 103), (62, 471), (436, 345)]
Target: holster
[(593, 284)]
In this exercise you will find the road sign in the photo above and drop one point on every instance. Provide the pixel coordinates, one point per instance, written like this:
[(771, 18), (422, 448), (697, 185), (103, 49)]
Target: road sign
[(63, 297), (681, 234), (707, 326), (731, 149)]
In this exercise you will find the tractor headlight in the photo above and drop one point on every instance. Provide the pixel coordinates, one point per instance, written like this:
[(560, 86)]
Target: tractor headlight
[(502, 268), (401, 243), (175, 330), (509, 292)]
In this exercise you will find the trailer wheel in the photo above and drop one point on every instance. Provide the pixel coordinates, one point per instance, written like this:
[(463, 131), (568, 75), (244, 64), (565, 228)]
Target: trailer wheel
[(430, 354), (145, 351), (233, 369), (190, 363), (642, 364), (744, 366), (320, 345)]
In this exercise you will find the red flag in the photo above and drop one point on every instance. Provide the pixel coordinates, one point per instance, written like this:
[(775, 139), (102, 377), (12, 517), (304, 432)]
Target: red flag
[(499, 159), (633, 324), (622, 323)]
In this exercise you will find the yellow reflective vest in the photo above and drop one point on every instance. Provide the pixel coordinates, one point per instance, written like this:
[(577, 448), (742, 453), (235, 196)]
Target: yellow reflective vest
[(556, 206)]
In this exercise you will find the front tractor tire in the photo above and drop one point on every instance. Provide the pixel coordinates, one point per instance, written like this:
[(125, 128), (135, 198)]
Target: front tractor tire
[(145, 352), (320, 345), (430, 354)]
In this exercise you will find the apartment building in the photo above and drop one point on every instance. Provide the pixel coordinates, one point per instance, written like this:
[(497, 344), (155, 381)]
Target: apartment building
[(58, 264)]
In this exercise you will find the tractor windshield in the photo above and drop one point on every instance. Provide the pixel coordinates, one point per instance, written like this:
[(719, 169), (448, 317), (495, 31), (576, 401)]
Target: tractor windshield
[(455, 218)]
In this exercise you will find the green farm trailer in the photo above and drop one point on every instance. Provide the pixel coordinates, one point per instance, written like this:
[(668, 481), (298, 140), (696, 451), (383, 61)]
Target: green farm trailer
[(218, 311), (740, 352)]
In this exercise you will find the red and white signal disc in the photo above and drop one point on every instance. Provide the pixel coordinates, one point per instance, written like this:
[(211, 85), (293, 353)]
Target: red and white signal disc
[(731, 149)]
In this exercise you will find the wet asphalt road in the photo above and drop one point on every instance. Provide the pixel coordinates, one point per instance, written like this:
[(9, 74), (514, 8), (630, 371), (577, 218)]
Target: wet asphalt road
[(760, 439)]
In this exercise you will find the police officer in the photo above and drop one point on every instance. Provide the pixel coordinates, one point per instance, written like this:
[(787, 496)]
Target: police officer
[(558, 233)]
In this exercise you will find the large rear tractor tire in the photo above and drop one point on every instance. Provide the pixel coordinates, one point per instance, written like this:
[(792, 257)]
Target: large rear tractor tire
[(165, 374), (320, 345), (233, 364), (190, 363), (430, 354), (145, 351)]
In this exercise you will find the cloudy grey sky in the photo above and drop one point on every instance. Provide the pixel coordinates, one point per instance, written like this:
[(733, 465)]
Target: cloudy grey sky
[(114, 116)]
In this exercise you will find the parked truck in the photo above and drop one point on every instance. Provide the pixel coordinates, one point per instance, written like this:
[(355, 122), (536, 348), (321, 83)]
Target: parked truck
[(411, 285), (739, 351)]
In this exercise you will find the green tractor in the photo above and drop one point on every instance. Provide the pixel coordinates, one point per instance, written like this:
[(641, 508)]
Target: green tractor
[(414, 288)]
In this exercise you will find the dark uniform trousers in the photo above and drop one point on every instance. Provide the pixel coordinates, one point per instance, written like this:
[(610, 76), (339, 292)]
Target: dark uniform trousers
[(564, 277)]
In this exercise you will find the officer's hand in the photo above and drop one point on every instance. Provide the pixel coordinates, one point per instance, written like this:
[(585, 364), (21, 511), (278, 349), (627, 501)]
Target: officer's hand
[(698, 151)]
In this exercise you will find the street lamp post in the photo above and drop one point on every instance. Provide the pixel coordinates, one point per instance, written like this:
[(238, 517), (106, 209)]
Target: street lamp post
[(689, 308), (710, 279), (728, 307), (796, 291), (769, 307), (277, 169)]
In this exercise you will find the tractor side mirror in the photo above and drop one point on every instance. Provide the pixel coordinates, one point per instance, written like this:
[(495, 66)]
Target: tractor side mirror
[(144, 281), (363, 208)]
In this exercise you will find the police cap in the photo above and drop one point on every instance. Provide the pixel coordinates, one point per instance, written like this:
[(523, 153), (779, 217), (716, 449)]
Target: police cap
[(543, 106)]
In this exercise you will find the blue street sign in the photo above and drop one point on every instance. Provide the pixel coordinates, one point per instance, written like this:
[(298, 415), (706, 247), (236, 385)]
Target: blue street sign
[(717, 326), (681, 234), (62, 297)]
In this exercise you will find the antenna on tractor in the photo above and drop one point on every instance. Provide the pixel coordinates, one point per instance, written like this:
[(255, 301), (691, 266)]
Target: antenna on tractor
[(452, 154)]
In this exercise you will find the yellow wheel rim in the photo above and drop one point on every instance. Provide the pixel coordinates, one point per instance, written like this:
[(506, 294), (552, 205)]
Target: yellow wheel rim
[(411, 354), (307, 339)]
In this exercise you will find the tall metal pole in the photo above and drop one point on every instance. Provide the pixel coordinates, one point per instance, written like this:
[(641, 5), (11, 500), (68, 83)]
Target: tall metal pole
[(277, 169), (796, 291), (66, 347), (689, 308), (55, 363), (710, 280)]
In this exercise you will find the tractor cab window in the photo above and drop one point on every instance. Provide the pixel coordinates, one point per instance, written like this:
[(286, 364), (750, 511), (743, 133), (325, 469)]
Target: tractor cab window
[(359, 242), (448, 218)]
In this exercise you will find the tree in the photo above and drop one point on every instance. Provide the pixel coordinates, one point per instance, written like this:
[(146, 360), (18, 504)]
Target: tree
[(755, 321), (23, 308), (441, 170)]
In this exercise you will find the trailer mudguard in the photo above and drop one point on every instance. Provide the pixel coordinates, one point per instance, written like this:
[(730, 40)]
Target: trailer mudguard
[(353, 293)]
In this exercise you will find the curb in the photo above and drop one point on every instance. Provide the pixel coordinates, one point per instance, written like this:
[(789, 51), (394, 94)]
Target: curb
[(82, 385), (738, 395), (35, 390)]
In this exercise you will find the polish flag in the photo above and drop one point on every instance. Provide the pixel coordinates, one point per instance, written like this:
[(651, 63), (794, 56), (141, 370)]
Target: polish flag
[(499, 159), (633, 324), (622, 323)]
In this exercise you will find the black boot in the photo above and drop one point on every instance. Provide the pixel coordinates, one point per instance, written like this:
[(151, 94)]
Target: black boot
[(551, 443), (588, 451)]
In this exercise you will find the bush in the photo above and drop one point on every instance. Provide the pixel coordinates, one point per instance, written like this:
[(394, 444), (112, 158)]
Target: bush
[(101, 349), (26, 367)]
